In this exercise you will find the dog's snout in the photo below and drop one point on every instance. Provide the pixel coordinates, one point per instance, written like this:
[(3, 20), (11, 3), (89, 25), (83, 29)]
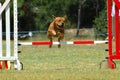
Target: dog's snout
[(62, 24)]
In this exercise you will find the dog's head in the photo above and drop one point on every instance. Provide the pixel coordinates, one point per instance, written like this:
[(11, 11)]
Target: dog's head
[(59, 21)]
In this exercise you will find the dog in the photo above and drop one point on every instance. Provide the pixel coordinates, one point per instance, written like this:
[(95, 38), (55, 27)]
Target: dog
[(56, 29)]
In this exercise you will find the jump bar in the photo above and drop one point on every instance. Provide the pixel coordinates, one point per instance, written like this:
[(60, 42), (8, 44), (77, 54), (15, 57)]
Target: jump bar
[(56, 43)]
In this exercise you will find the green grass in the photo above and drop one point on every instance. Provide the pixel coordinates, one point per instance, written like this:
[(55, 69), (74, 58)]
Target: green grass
[(70, 62)]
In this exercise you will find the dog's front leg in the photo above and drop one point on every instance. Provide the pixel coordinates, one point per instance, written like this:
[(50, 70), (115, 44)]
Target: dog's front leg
[(50, 38)]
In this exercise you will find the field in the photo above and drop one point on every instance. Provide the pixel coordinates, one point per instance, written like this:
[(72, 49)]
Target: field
[(70, 62)]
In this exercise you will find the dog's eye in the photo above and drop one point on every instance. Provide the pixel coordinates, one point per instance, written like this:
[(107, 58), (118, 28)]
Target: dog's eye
[(59, 20)]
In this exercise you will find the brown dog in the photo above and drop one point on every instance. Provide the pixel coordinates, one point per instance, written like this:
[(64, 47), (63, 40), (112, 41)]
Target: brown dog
[(56, 29)]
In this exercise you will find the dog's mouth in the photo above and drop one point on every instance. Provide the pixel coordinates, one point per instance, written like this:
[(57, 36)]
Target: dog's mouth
[(61, 25)]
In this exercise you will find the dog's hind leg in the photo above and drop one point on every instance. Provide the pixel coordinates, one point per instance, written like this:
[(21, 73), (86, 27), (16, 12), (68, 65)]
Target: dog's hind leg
[(50, 46), (59, 39), (59, 45)]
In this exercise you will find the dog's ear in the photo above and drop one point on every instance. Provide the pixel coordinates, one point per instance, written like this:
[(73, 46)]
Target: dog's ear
[(53, 16), (65, 16)]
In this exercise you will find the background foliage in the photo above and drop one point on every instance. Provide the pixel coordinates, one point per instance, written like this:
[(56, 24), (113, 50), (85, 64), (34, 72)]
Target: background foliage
[(37, 14)]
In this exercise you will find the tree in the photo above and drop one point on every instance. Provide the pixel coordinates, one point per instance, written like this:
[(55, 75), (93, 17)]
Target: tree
[(26, 16), (79, 16), (100, 22)]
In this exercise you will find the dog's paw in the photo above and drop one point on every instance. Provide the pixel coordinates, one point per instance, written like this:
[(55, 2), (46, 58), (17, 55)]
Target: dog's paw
[(53, 32)]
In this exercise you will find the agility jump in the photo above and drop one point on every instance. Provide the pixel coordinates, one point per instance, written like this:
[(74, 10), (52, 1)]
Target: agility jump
[(15, 58), (112, 55)]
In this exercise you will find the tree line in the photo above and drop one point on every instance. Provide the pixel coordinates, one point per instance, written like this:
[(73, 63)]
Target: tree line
[(37, 14)]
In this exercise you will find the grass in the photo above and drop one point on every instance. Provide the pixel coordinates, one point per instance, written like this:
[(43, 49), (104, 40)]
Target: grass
[(71, 62)]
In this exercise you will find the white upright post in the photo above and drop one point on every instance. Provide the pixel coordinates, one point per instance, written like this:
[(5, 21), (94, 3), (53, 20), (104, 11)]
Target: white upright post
[(17, 64), (7, 10), (15, 29), (0, 33)]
